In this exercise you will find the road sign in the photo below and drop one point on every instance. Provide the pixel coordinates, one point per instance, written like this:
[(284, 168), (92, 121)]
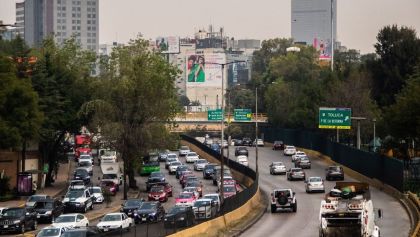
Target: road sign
[(335, 118), (242, 114), (214, 115)]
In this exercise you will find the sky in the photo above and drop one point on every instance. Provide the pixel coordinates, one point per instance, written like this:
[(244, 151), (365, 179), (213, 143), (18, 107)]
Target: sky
[(358, 20)]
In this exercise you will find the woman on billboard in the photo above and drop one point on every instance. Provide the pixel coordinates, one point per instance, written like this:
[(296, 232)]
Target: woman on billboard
[(196, 66)]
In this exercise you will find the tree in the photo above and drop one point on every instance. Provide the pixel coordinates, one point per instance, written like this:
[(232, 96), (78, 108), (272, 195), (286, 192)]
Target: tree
[(399, 52), (133, 99)]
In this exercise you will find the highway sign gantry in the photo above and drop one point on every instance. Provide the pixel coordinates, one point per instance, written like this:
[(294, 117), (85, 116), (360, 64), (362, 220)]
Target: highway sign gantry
[(242, 114), (334, 118), (214, 115)]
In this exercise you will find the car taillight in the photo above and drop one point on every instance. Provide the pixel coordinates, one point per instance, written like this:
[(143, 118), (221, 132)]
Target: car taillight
[(328, 206), (272, 198)]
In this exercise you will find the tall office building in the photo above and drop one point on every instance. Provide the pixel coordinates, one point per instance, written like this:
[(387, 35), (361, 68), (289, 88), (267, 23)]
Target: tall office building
[(20, 19), (311, 23), (62, 19)]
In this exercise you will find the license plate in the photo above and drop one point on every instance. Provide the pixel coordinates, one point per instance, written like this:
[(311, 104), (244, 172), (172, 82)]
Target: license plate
[(105, 229), (38, 216), (143, 219), (6, 226)]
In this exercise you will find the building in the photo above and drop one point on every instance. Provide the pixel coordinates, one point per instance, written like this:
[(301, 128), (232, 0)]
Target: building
[(62, 19), (20, 19), (311, 23)]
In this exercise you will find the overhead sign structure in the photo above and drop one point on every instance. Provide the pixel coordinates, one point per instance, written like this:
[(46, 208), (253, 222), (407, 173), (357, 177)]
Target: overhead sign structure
[(214, 115), (242, 114), (334, 118)]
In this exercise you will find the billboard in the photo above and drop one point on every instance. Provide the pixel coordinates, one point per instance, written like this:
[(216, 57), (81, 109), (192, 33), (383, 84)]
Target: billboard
[(168, 44), (324, 48), (204, 70)]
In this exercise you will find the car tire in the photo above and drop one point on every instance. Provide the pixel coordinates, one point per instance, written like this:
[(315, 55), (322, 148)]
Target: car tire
[(129, 227), (295, 207), (273, 208), (35, 225), (85, 209), (91, 206)]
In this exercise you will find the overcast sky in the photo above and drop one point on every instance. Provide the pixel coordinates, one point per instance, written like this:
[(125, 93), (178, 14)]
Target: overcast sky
[(358, 20)]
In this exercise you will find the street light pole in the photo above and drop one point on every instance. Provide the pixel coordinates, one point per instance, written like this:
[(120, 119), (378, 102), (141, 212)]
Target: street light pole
[(256, 131), (374, 135)]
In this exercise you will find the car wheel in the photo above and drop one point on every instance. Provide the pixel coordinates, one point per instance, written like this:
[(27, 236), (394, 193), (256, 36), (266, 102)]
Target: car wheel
[(35, 225), (85, 209), (295, 207), (273, 208), (91, 207), (22, 229), (129, 227)]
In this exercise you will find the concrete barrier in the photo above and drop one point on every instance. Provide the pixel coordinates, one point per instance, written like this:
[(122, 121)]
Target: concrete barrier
[(415, 202)]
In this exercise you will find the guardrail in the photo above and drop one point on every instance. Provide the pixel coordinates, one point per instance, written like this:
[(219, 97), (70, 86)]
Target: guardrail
[(414, 202)]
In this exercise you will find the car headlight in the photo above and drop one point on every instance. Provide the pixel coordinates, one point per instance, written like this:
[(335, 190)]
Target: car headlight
[(181, 218), (48, 213), (152, 214), (121, 209), (16, 222)]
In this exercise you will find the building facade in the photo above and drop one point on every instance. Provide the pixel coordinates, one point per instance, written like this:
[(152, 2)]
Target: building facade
[(312, 22), (20, 19)]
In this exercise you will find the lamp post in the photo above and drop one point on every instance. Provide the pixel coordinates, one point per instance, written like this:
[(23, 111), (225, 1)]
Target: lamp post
[(256, 132), (374, 134)]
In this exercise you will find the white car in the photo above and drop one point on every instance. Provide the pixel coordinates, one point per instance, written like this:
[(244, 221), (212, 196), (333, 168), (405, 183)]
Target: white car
[(87, 165), (96, 191), (243, 160), (77, 184), (216, 199), (277, 167), (113, 221), (184, 150), (289, 150), (108, 156), (314, 184), (224, 144), (204, 208), (51, 231), (259, 142), (71, 220), (297, 155), (170, 159), (191, 157), (173, 165), (86, 157), (199, 164)]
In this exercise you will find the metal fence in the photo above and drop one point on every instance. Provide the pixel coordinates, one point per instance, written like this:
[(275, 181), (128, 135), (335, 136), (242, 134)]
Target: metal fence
[(373, 165)]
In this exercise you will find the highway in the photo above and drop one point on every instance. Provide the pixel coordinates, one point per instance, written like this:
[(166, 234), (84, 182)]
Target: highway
[(395, 221)]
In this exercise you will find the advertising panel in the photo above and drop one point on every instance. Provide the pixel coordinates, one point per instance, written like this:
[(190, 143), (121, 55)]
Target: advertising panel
[(168, 44), (204, 70), (324, 48)]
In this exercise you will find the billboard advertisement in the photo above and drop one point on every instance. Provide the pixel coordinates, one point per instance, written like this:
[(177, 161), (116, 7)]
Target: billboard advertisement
[(168, 44), (204, 70), (324, 48)]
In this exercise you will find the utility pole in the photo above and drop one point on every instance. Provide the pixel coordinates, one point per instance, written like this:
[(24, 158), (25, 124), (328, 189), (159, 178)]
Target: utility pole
[(256, 131), (221, 142), (332, 35)]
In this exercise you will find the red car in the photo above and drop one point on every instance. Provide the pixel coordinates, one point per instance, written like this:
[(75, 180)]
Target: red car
[(157, 193), (185, 199), (229, 190), (109, 186), (184, 179), (278, 145)]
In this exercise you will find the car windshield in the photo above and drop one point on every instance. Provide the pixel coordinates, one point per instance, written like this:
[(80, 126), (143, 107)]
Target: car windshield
[(316, 179), (49, 232), (80, 172), (278, 142), (157, 189), (110, 153), (304, 158), (85, 157), (85, 163), (278, 164), (62, 219), (46, 205), (242, 159), (95, 190), (190, 189), (185, 195), (35, 198), (283, 193), (78, 182), (229, 189), (177, 209), (132, 203), (290, 147), (112, 217), (148, 206), (212, 197), (109, 176), (201, 203), (184, 148), (335, 168), (156, 175), (201, 161), (182, 168), (171, 156), (296, 169), (192, 154), (12, 212), (175, 163), (74, 193), (75, 233)]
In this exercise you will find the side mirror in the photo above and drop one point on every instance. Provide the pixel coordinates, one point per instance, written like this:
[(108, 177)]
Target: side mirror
[(294, 193), (379, 213)]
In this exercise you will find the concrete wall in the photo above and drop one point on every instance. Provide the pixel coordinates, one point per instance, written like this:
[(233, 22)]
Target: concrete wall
[(10, 163)]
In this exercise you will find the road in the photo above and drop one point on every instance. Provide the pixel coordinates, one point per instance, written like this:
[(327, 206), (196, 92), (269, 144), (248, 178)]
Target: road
[(304, 222)]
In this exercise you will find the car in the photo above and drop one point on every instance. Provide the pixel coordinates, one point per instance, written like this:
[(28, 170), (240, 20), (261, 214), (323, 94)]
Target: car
[(208, 142), (184, 150), (217, 174), (334, 172), (114, 221), (295, 173), (87, 164), (96, 191), (224, 144), (18, 220), (282, 198), (81, 232), (151, 212), (78, 200), (51, 231), (157, 193), (209, 170), (216, 199), (77, 184), (243, 160), (258, 142), (215, 147), (185, 199), (277, 167), (204, 209), (179, 216), (278, 145), (2, 209), (84, 157), (314, 184), (48, 209), (200, 164), (191, 157), (289, 150), (131, 206), (180, 170), (173, 165), (241, 151), (81, 174), (30, 202), (246, 141), (237, 142), (163, 155), (184, 173), (193, 190), (303, 162), (109, 186), (170, 159), (297, 155), (227, 180), (155, 178), (72, 220), (108, 156), (184, 179), (229, 190)]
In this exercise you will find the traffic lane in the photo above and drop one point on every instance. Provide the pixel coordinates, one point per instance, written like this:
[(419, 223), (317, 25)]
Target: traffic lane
[(309, 204)]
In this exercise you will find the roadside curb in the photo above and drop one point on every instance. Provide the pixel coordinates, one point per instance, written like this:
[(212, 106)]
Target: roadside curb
[(262, 211)]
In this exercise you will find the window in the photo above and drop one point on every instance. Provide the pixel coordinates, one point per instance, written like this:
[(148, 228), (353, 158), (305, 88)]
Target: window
[(73, 27), (88, 34), (78, 21), (88, 21), (88, 15), (88, 28), (93, 21), (78, 27), (63, 8), (73, 15), (88, 40)]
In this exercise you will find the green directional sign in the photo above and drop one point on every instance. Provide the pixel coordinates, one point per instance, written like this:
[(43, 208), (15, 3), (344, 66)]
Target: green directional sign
[(335, 118), (242, 114), (214, 115)]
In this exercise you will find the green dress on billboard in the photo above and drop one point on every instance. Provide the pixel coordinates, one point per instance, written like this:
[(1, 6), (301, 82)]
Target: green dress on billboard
[(196, 70)]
